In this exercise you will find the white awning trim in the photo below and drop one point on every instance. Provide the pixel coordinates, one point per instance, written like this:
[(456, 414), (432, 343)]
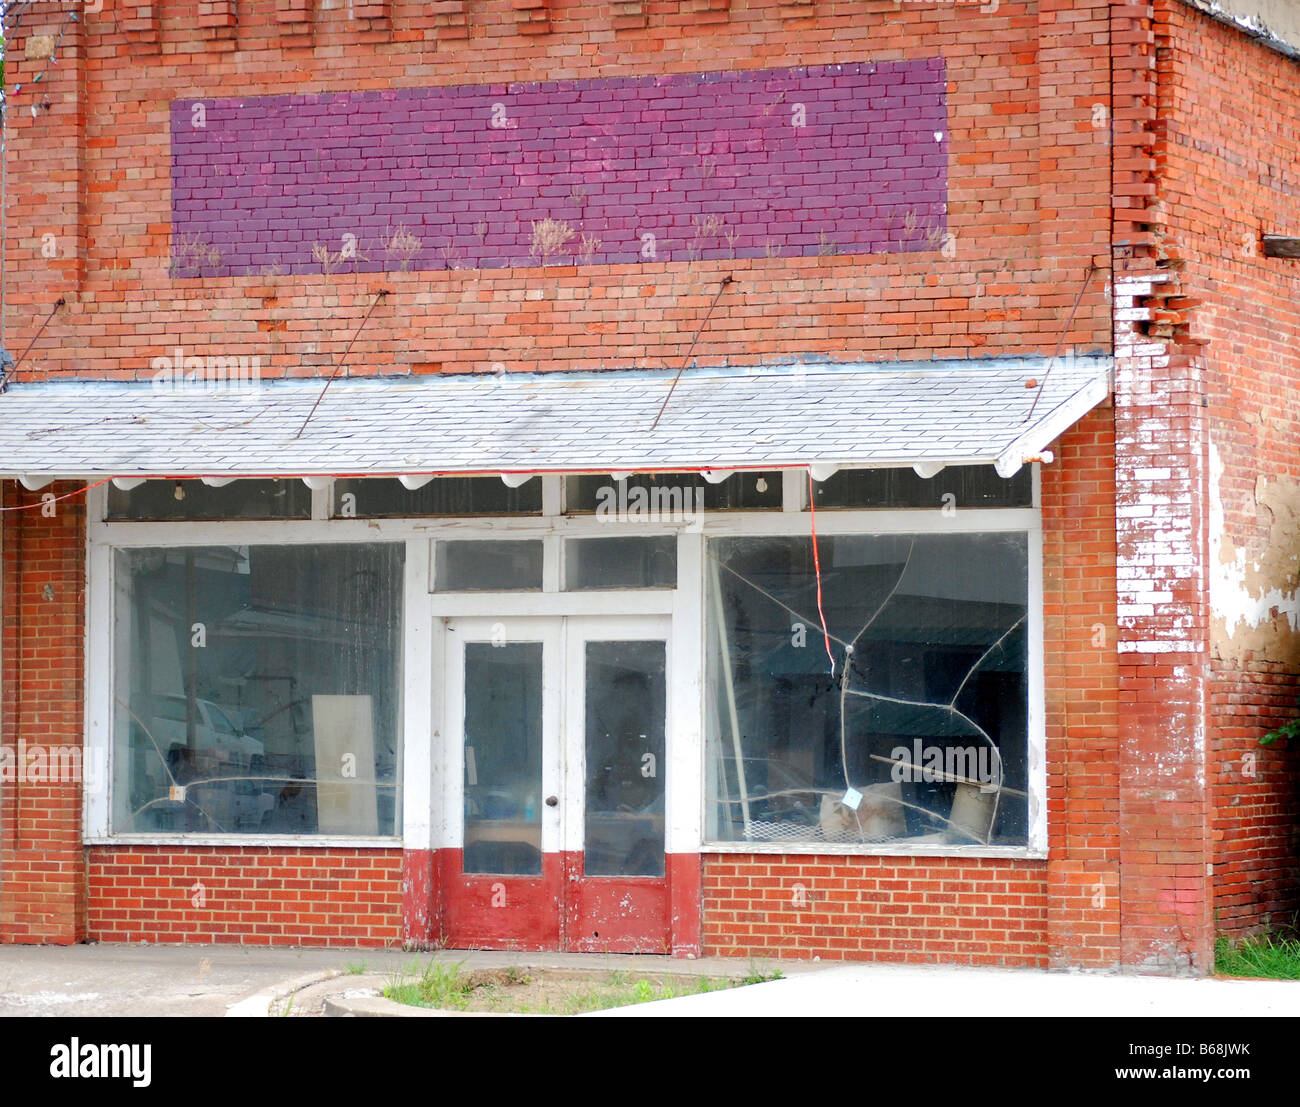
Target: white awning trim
[(823, 417), (822, 470), (411, 482)]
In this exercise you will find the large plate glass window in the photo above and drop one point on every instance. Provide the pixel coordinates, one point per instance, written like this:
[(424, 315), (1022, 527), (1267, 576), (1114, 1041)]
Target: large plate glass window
[(919, 732), (257, 690)]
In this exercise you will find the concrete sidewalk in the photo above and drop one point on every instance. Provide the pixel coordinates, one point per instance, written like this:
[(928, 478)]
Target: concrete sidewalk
[(171, 981), (209, 980), (908, 991)]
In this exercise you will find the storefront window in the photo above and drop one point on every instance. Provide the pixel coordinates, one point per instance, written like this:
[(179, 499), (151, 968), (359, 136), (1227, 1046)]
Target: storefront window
[(918, 734), (257, 690)]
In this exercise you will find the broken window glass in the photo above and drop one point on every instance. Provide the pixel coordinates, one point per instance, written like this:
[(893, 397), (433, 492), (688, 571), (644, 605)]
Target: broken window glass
[(257, 690), (905, 722)]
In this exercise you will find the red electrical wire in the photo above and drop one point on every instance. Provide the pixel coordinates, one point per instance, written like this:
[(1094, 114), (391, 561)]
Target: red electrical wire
[(817, 568), (66, 496)]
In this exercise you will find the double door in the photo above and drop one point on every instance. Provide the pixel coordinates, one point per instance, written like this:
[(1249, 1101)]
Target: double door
[(555, 740)]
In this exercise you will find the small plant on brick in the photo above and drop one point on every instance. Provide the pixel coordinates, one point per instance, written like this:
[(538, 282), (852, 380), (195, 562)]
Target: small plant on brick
[(826, 248), (909, 225), (331, 262), (1287, 730), (550, 236), (193, 252), (402, 245), (588, 248), (705, 229), (321, 255), (450, 255)]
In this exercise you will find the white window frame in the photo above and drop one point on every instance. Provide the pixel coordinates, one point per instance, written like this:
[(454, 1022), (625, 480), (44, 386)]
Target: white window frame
[(424, 824)]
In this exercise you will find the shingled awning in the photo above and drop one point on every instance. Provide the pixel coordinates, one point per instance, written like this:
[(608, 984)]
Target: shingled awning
[(825, 416)]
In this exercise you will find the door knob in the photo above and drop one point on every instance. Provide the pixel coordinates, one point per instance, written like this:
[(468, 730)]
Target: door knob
[(552, 801)]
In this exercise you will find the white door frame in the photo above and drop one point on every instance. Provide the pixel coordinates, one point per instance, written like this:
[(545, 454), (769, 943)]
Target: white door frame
[(563, 711), (460, 631)]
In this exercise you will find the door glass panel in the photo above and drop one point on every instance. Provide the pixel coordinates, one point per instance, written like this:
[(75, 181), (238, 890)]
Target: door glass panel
[(625, 698), (503, 758)]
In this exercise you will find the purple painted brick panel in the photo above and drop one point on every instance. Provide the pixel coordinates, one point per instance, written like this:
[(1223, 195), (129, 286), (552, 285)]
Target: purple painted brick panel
[(850, 158)]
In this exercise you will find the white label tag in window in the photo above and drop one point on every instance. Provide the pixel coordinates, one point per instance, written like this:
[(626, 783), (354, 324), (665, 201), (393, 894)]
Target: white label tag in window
[(851, 799)]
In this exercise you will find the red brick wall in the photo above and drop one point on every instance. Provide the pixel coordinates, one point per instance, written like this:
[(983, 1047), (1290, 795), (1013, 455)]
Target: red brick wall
[(1064, 911), (1228, 173), (1026, 204), (1256, 799), (912, 909), (1035, 198), (254, 895), (42, 582), (1081, 679)]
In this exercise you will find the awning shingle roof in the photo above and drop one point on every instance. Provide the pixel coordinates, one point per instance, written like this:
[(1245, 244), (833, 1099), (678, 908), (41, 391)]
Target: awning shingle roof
[(955, 412)]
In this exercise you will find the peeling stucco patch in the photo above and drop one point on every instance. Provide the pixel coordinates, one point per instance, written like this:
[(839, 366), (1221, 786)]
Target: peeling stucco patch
[(1254, 600)]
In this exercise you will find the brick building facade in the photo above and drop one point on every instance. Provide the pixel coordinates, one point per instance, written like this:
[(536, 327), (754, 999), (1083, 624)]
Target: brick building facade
[(437, 196)]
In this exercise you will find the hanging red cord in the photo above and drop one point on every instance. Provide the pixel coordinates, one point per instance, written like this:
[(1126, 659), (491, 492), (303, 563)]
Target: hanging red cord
[(817, 568)]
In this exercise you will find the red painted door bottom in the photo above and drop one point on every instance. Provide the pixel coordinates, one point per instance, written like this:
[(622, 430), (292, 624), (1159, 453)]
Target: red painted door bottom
[(561, 909)]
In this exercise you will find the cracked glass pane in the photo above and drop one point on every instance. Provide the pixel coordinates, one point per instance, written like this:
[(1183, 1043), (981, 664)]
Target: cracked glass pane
[(905, 722), (257, 690)]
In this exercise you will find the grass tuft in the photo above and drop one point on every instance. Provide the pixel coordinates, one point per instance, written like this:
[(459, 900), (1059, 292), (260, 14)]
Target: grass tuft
[(437, 986), (1267, 956)]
